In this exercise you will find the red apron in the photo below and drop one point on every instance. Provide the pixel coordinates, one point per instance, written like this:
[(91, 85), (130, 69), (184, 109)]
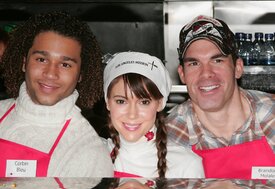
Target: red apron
[(13, 151), (236, 161), (118, 174)]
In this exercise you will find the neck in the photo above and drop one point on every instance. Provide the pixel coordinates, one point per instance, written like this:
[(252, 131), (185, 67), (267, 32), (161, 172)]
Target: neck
[(228, 119)]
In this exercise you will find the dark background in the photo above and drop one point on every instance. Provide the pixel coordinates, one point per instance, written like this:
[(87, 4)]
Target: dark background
[(117, 25)]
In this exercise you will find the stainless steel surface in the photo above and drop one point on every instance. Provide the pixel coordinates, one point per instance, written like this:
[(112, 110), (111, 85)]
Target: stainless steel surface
[(259, 78), (179, 89), (118, 25), (259, 70), (247, 16), (178, 13), (241, 16), (153, 26)]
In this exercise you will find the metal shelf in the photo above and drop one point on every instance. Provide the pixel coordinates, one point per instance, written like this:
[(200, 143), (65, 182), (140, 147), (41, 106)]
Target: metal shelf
[(258, 78), (259, 69), (179, 89)]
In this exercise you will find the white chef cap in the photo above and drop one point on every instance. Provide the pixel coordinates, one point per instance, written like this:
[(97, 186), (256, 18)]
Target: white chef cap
[(140, 63)]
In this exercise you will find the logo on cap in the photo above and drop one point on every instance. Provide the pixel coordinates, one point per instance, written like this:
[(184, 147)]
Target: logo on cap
[(148, 64), (202, 29), (209, 28)]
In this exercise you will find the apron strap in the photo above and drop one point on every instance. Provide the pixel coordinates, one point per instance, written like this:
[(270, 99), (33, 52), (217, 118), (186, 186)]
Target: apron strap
[(9, 110), (60, 184), (59, 136)]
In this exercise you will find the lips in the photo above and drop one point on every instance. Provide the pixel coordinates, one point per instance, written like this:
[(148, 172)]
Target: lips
[(131, 127), (48, 87), (209, 88)]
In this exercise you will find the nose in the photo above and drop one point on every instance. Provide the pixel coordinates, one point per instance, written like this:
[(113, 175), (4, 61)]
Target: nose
[(132, 111), (51, 71), (207, 71)]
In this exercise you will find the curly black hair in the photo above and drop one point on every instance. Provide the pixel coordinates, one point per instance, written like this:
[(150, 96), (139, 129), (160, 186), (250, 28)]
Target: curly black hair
[(21, 40)]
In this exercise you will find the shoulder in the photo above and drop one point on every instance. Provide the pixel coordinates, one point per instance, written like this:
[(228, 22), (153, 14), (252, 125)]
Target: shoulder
[(81, 133), (179, 115), (87, 155), (179, 109), (81, 125), (178, 122), (260, 98), (108, 143), (177, 151), (7, 103), (262, 104), (183, 162)]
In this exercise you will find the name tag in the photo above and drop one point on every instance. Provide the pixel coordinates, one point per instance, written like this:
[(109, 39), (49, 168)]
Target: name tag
[(263, 173), (21, 168)]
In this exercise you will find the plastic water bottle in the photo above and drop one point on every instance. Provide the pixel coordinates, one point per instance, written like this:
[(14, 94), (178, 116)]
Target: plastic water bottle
[(239, 39), (267, 55), (245, 49), (257, 46)]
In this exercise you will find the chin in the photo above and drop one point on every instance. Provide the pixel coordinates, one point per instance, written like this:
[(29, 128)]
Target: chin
[(130, 139), (47, 103)]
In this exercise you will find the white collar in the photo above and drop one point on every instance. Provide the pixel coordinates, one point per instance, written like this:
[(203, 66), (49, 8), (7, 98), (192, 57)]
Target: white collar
[(142, 142), (40, 113)]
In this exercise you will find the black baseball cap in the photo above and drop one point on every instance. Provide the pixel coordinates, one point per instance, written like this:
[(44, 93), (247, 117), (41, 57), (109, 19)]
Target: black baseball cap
[(204, 27)]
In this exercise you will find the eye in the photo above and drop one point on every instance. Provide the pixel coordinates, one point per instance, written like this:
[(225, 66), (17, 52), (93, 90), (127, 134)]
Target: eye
[(65, 65), (218, 61), (120, 101), (192, 63), (41, 60), (145, 101)]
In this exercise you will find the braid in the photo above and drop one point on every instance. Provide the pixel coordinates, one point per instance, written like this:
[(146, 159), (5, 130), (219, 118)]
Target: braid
[(161, 141), (115, 138), (161, 183)]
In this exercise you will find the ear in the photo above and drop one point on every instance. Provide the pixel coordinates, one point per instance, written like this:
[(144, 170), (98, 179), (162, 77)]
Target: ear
[(80, 78), (24, 64), (238, 68), (160, 103), (107, 105), (181, 73)]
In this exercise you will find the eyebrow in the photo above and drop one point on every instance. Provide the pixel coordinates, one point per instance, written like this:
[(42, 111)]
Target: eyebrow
[(45, 53), (219, 55), (189, 59), (120, 96)]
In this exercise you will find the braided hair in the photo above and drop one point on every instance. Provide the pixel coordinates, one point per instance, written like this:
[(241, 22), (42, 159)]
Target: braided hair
[(62, 23), (142, 87)]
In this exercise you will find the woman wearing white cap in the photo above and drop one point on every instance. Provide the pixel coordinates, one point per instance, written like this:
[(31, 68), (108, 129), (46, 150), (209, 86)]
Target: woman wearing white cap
[(136, 88)]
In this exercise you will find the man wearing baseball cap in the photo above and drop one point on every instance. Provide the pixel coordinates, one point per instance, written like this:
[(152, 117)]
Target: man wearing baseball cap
[(232, 129)]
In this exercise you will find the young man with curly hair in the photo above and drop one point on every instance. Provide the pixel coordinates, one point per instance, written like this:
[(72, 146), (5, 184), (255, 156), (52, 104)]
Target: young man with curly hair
[(51, 63)]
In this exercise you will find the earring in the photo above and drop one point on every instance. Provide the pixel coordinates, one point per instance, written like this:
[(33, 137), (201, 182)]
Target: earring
[(149, 135)]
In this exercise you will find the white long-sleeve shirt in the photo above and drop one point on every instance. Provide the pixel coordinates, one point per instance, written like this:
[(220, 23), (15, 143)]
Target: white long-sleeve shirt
[(140, 158), (79, 153)]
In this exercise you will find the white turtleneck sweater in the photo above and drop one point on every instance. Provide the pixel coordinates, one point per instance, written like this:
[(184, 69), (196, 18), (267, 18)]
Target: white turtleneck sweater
[(140, 158), (79, 153)]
